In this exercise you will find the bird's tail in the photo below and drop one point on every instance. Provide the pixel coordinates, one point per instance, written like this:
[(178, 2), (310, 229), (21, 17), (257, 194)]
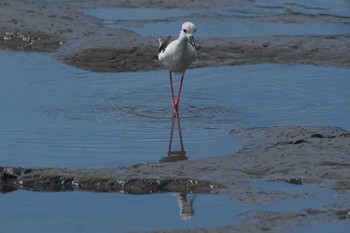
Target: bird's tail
[(161, 39)]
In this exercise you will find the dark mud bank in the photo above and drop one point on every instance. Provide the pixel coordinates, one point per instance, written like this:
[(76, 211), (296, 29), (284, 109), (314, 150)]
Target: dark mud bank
[(102, 180), (306, 155)]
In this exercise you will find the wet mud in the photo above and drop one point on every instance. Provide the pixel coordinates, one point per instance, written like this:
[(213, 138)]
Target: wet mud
[(123, 180), (306, 155)]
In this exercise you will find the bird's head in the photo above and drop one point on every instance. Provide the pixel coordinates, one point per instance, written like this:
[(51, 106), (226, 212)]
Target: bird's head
[(188, 29)]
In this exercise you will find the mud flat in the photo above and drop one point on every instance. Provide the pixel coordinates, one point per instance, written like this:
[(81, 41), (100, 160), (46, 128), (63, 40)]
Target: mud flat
[(83, 41), (309, 156), (294, 155)]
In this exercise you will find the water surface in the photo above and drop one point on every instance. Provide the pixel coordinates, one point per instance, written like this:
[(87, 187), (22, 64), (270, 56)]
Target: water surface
[(59, 116), (64, 117), (72, 212), (31, 212), (249, 18)]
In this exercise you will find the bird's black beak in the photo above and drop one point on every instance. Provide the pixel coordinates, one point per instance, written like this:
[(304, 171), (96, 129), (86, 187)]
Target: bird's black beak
[(192, 42)]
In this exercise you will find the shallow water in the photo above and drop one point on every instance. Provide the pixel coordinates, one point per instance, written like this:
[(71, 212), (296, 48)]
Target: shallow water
[(111, 212), (64, 117), (107, 212), (241, 19)]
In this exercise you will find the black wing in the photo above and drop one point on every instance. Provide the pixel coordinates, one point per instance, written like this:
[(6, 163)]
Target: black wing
[(165, 43)]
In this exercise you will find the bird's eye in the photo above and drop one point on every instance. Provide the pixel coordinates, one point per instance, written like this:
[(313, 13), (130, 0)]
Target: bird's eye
[(185, 31), (195, 30)]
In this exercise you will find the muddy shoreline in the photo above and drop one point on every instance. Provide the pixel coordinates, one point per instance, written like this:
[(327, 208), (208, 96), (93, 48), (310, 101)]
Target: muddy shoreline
[(311, 156), (82, 41), (297, 155)]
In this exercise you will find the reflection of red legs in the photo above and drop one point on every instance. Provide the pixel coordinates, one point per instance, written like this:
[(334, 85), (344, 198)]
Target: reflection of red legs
[(175, 105), (181, 154), (171, 136)]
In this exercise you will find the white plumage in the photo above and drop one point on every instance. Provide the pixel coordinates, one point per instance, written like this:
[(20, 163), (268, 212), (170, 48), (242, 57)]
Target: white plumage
[(177, 55)]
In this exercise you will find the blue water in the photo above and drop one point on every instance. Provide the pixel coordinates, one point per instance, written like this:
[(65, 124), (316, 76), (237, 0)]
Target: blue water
[(239, 20), (64, 117), (25, 211), (73, 212)]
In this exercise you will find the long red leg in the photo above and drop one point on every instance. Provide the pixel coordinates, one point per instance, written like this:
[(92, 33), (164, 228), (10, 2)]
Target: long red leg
[(172, 88), (179, 92), (172, 94)]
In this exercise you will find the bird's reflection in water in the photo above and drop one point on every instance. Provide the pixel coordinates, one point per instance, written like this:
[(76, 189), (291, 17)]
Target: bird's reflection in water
[(177, 154), (173, 154), (186, 205)]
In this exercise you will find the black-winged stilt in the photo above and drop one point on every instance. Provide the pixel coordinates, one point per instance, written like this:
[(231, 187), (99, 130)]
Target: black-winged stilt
[(177, 55)]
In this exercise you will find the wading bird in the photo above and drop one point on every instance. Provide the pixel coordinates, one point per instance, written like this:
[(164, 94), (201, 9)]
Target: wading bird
[(177, 55)]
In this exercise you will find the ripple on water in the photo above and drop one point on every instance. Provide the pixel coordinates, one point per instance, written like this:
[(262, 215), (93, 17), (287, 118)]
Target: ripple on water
[(112, 112), (89, 112)]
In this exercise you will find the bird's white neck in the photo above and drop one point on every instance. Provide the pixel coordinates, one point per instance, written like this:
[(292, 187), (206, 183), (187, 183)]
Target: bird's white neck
[(183, 38)]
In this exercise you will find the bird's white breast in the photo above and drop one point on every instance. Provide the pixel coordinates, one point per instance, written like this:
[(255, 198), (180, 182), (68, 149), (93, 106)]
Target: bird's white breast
[(177, 57)]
